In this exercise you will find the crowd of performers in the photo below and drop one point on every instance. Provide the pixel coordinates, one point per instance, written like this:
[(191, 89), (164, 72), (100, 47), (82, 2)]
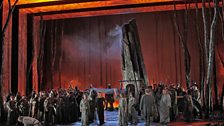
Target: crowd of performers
[(160, 103), (64, 106)]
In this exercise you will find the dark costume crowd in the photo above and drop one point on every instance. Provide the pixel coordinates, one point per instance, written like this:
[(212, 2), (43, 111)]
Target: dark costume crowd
[(159, 103), (62, 106)]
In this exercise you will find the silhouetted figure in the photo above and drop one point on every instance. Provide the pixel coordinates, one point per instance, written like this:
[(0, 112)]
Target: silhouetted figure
[(100, 108), (33, 105), (23, 106), (188, 107), (92, 104), (109, 100), (41, 100), (49, 110), (174, 107), (12, 111)]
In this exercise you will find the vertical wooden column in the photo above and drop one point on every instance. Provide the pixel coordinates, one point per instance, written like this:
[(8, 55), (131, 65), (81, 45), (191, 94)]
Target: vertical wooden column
[(6, 64), (36, 46), (22, 53)]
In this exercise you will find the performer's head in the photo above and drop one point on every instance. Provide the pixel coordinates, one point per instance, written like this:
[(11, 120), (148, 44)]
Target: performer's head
[(122, 95), (109, 85), (131, 94), (165, 91), (91, 85), (99, 95), (147, 91), (85, 96)]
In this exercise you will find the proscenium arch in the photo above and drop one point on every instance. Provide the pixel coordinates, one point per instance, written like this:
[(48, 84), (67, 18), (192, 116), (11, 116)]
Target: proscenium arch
[(32, 11)]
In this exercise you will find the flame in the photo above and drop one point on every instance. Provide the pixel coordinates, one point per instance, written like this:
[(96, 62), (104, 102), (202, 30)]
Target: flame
[(116, 104)]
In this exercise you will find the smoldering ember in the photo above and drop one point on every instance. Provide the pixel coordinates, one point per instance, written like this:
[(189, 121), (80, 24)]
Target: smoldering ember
[(112, 62)]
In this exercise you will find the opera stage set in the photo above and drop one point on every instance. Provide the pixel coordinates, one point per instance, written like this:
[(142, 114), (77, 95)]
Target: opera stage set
[(58, 43)]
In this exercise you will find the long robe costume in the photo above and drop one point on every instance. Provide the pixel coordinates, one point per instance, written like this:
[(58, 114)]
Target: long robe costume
[(100, 109), (23, 107), (41, 100), (174, 107), (85, 110), (131, 110), (59, 111), (122, 112), (12, 112), (147, 107), (33, 107), (164, 108), (48, 111), (92, 104), (74, 108), (188, 108)]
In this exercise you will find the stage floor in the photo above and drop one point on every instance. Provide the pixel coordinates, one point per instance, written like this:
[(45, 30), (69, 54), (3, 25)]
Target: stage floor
[(111, 119)]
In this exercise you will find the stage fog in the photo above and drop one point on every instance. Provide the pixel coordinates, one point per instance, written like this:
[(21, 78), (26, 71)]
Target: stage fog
[(84, 51)]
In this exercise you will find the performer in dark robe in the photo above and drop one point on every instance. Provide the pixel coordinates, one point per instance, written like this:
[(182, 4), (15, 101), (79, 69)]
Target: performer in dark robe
[(59, 110), (100, 108), (174, 107), (33, 105), (188, 107), (74, 108), (12, 112), (66, 108), (41, 100), (49, 110), (92, 103), (23, 106), (109, 100), (78, 99)]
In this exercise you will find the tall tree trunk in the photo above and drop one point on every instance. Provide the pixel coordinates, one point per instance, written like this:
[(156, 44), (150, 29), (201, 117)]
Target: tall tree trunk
[(206, 33), (41, 54), (61, 54), (183, 40), (211, 46), (2, 36), (201, 55), (206, 39)]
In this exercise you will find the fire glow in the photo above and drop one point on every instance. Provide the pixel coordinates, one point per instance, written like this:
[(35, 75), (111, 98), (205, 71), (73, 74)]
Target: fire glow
[(116, 103)]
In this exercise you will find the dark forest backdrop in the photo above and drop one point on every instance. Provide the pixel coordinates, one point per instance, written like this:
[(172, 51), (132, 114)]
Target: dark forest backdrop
[(89, 49)]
